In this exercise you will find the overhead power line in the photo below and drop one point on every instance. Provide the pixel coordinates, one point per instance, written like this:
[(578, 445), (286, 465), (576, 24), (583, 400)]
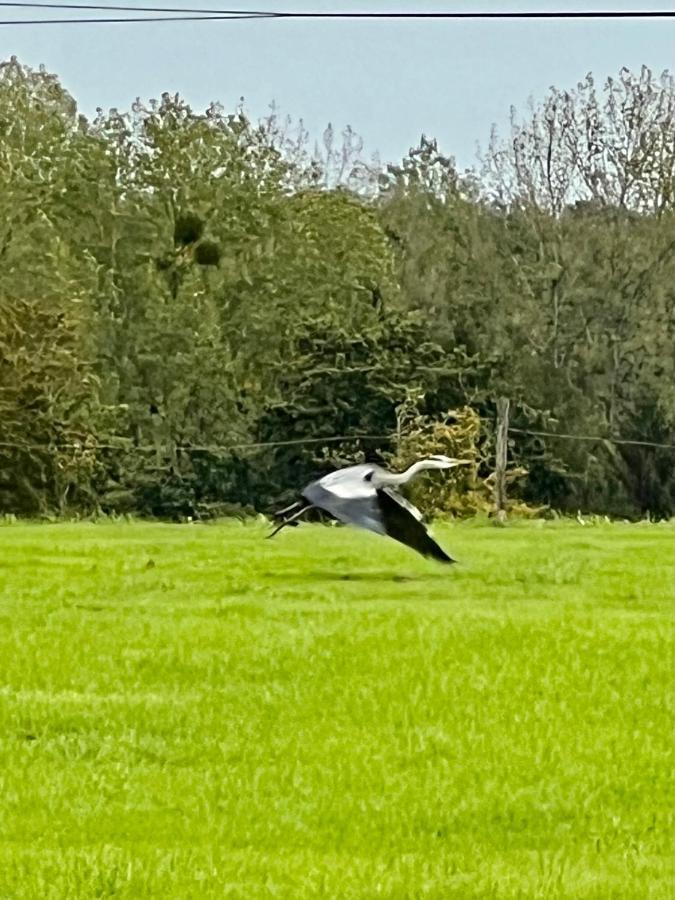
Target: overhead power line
[(130, 19), (109, 7), (175, 14)]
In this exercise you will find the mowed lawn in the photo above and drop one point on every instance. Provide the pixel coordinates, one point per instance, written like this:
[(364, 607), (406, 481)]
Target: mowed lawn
[(193, 711)]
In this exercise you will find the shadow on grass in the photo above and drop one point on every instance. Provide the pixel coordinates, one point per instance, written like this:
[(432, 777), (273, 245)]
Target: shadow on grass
[(368, 576)]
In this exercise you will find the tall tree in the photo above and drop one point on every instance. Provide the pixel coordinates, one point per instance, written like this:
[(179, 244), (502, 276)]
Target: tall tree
[(585, 190), (48, 389)]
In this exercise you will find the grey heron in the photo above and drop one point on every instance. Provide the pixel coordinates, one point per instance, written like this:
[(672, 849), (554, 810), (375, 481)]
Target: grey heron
[(365, 496)]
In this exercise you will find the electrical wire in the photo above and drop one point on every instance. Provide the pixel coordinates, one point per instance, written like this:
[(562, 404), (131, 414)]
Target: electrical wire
[(177, 14), (193, 14), (109, 7), (129, 19)]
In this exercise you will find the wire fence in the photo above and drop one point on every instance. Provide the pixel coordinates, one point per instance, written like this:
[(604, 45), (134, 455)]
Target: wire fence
[(595, 438), (126, 447), (196, 448)]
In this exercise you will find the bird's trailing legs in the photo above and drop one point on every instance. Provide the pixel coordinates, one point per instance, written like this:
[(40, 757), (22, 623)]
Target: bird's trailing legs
[(281, 514), (292, 518), (287, 509)]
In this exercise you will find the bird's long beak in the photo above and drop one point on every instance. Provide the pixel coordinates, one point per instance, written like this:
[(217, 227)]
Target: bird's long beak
[(450, 463)]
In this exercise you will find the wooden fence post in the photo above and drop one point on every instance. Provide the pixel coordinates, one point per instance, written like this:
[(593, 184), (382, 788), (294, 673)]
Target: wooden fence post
[(502, 433)]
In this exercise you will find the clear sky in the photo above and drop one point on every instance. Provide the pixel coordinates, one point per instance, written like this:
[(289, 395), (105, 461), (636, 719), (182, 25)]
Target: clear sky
[(391, 81)]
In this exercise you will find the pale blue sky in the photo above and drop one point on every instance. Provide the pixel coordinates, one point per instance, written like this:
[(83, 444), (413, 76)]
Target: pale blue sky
[(391, 81)]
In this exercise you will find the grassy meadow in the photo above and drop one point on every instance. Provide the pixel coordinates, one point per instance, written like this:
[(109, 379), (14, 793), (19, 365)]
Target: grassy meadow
[(195, 712)]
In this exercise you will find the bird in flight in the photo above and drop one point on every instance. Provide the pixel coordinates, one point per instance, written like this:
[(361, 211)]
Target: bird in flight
[(366, 496)]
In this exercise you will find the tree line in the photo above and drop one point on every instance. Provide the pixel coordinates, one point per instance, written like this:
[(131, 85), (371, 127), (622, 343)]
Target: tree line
[(177, 286)]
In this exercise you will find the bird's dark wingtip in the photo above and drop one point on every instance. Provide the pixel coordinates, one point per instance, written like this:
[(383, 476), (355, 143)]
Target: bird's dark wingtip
[(439, 555)]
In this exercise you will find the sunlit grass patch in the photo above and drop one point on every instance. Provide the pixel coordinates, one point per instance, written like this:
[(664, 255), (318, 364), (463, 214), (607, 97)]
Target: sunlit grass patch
[(196, 712)]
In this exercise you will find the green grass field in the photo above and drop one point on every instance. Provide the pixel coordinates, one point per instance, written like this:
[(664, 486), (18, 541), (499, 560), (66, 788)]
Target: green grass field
[(193, 711)]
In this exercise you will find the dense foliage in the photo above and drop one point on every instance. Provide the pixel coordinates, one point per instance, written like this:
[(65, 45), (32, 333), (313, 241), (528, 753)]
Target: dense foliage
[(176, 287)]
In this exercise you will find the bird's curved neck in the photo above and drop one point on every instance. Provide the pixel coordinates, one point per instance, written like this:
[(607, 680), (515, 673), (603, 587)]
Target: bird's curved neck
[(409, 473)]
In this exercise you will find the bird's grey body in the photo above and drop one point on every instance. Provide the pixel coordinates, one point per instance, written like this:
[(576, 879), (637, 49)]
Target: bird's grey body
[(364, 496), (352, 499)]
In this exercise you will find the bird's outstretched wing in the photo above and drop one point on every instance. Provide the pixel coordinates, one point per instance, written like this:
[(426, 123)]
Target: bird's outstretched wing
[(362, 511), (403, 522), (381, 510)]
